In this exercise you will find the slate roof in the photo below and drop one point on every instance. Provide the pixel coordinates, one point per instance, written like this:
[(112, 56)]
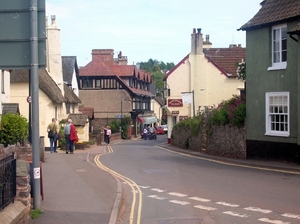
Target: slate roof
[(69, 66), (274, 11), (46, 83)]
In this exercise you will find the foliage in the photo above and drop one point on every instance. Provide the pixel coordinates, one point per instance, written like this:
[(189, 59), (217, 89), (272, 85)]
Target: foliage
[(241, 70), (124, 126), (62, 140), (34, 214), (158, 69), (193, 124), (114, 125), (14, 129), (232, 111)]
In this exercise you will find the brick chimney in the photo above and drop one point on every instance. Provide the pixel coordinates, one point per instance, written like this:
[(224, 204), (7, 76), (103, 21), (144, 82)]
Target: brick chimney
[(105, 55), (197, 42)]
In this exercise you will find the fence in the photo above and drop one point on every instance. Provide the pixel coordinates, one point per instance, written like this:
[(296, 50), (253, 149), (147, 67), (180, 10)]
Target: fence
[(7, 180)]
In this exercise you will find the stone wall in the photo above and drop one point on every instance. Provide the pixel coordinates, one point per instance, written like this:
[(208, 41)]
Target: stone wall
[(227, 141), (23, 155)]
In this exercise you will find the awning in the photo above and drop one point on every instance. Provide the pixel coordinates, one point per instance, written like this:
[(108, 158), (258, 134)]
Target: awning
[(150, 120), (140, 119)]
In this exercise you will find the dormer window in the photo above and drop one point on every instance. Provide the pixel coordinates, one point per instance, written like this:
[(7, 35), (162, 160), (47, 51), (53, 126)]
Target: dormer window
[(279, 47)]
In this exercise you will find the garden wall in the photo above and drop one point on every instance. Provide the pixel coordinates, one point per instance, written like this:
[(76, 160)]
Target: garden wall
[(226, 141)]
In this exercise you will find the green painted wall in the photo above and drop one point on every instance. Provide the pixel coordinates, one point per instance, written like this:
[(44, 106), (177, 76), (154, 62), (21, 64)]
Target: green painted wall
[(260, 80)]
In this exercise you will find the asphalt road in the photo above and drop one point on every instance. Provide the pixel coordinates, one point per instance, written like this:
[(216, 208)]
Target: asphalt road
[(165, 187)]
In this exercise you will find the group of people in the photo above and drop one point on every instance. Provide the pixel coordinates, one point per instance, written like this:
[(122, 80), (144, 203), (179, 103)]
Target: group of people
[(149, 133), (70, 136)]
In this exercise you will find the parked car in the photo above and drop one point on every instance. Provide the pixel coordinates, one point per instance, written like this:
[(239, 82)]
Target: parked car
[(159, 130), (165, 127)]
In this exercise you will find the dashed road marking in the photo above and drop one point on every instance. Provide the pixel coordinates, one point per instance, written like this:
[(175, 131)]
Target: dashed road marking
[(272, 221), (205, 207), (227, 204), (180, 202), (144, 187), (199, 199), (236, 214), (158, 190), (255, 209), (177, 194), (289, 215), (157, 197)]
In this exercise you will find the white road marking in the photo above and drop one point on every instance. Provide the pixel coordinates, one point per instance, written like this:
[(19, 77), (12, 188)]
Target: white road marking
[(258, 210), (272, 221), (144, 187), (199, 199), (180, 202), (158, 190), (236, 214), (291, 216), (205, 208), (227, 204), (157, 197), (177, 194)]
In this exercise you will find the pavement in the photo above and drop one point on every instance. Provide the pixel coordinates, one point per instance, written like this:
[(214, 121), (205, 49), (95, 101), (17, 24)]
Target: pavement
[(77, 191)]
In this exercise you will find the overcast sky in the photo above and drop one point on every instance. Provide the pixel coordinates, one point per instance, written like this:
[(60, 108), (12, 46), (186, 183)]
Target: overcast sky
[(144, 29)]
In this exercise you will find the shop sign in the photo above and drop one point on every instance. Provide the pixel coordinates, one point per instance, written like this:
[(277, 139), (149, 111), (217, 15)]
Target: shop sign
[(175, 103), (175, 112)]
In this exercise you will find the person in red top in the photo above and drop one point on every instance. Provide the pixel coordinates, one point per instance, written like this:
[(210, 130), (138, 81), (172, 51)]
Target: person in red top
[(73, 136)]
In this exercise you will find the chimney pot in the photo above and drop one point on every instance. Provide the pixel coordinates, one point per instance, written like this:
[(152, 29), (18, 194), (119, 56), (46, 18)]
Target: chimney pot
[(199, 30), (194, 30), (53, 17)]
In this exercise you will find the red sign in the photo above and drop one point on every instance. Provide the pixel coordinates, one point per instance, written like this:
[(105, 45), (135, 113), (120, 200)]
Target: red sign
[(175, 103)]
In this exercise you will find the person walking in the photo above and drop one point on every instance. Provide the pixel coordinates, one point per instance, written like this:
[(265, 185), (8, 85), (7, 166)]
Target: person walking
[(73, 137), (145, 133), (107, 134), (52, 130), (67, 135)]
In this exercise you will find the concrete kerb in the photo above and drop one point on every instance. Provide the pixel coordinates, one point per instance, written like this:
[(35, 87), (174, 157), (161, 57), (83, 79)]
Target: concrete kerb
[(256, 164)]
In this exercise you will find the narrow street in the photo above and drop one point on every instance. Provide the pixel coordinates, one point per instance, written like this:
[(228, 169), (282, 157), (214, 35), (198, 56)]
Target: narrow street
[(163, 187)]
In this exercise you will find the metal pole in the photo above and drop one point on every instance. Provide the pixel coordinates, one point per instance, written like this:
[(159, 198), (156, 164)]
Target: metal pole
[(35, 105)]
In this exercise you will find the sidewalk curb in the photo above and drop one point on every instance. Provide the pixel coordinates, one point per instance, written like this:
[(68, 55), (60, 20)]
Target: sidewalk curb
[(258, 164)]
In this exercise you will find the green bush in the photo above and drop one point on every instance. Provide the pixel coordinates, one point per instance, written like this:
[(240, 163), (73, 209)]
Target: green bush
[(232, 111), (125, 125), (114, 125), (34, 214), (14, 129)]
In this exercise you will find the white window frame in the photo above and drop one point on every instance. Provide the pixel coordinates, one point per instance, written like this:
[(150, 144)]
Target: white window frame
[(278, 104), (279, 38)]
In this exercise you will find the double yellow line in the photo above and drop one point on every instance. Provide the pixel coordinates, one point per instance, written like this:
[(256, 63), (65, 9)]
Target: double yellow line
[(134, 187)]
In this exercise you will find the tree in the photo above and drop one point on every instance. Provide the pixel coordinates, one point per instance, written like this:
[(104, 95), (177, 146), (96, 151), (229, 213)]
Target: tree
[(241, 70), (158, 71)]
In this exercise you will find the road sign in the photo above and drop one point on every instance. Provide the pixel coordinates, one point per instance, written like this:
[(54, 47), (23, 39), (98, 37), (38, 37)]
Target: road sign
[(15, 34)]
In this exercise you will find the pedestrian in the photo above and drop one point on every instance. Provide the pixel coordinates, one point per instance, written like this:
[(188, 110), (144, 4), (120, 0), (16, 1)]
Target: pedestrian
[(145, 133), (67, 135), (52, 130), (107, 134), (73, 137)]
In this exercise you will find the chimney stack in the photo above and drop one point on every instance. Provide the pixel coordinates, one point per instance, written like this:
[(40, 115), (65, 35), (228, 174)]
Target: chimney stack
[(197, 42)]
